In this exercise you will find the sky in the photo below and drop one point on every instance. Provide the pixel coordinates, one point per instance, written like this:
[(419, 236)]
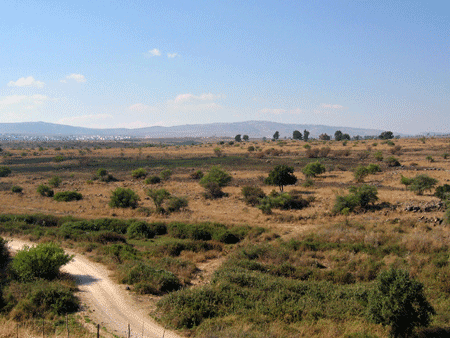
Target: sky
[(136, 63)]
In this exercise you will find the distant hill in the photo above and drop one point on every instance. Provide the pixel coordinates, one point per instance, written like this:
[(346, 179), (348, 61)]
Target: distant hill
[(254, 129)]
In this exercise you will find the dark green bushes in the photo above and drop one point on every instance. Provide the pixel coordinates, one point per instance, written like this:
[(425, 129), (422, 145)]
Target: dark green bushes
[(67, 196), (421, 183), (252, 195), (443, 192), (4, 171), (284, 201), (16, 189), (139, 173), (152, 180), (55, 181)]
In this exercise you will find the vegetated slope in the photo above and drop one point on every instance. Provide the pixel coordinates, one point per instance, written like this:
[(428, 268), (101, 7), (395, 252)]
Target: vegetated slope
[(107, 299)]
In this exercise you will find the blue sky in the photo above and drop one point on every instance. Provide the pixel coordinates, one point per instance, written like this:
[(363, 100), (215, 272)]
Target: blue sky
[(371, 64)]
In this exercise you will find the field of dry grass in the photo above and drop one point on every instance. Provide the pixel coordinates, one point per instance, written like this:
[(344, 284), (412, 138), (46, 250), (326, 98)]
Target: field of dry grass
[(395, 223)]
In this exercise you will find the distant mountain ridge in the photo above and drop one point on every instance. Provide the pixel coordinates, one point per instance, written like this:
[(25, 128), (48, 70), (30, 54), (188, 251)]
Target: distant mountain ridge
[(254, 129)]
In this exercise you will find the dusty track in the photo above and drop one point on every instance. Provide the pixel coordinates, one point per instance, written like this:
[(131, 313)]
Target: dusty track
[(111, 304)]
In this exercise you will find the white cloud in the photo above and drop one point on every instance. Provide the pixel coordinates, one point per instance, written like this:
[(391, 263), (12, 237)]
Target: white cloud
[(331, 106), (30, 101), (142, 108), (172, 55), (77, 77), (203, 97), (26, 82), (154, 52), (82, 119)]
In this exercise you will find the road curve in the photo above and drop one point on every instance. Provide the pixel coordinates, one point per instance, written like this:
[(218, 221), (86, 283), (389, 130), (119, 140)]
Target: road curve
[(112, 305)]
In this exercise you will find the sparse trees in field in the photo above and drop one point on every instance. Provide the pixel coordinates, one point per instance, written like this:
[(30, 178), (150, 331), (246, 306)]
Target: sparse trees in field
[(237, 138), (281, 176), (313, 169), (399, 302), (276, 136), (124, 198), (296, 135)]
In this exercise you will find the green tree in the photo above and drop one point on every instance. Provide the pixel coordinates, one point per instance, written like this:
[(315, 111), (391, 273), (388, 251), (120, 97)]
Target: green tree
[(237, 138), (346, 137), (313, 169), (305, 135), (421, 183), (386, 135), (360, 173), (41, 261), (324, 137), (55, 181), (280, 176), (245, 138), (338, 135), (276, 136), (400, 302), (124, 198), (158, 197), (217, 175), (296, 135)]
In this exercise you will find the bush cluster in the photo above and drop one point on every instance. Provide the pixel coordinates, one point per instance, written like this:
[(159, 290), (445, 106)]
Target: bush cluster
[(284, 201), (4, 171), (67, 196), (45, 190), (124, 198)]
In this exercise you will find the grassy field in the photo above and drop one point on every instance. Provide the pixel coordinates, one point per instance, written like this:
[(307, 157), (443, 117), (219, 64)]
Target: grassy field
[(223, 268)]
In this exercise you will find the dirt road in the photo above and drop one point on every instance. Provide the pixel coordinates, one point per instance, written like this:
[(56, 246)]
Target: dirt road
[(110, 302)]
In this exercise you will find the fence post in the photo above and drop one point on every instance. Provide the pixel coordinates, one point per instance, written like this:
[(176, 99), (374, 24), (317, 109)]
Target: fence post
[(43, 328), (17, 329), (67, 325), (129, 332), (98, 330)]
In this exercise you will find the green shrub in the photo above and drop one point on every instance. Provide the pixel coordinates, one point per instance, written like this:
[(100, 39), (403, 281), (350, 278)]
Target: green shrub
[(217, 175), (152, 180), (58, 158), (175, 204), (103, 175), (313, 169), (165, 174), (213, 191), (391, 161), (140, 229), (150, 280), (67, 196), (284, 201), (360, 173), (45, 190), (158, 197), (4, 171), (139, 173), (55, 298), (54, 182), (197, 175), (252, 195), (373, 168), (358, 197), (41, 261), (443, 192), (421, 183), (124, 198), (400, 302), (16, 189)]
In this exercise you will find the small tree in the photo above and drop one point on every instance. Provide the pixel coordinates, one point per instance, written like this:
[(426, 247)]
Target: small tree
[(346, 137), (443, 192), (276, 136), (139, 173), (406, 181), (305, 135), (245, 138), (280, 176), (41, 261), (296, 135), (360, 173), (158, 197), (313, 169), (421, 183), (386, 135), (324, 137), (338, 135), (124, 198), (237, 138), (214, 180), (400, 302), (55, 181), (45, 190)]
